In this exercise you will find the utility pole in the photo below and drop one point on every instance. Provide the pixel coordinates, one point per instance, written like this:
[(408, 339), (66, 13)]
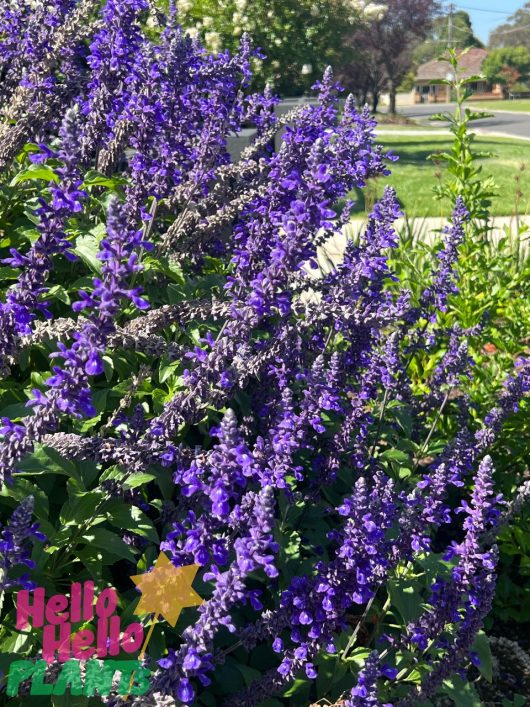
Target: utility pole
[(450, 25), (449, 40)]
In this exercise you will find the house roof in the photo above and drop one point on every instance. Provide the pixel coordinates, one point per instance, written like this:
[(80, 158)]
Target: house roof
[(469, 63)]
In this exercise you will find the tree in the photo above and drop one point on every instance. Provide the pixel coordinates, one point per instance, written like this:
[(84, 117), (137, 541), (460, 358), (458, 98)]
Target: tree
[(515, 32), (507, 65), (365, 76), (455, 30), (386, 44), (299, 37)]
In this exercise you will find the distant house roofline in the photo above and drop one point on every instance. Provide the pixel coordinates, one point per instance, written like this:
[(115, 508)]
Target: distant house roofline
[(469, 63)]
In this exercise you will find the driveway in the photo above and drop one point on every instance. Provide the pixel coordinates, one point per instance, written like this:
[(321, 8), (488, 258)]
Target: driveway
[(502, 123)]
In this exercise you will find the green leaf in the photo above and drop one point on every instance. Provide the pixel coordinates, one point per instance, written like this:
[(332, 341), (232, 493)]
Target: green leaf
[(481, 646), (87, 248), (406, 598), (45, 460), (249, 674), (18, 643), (298, 687), (21, 489), (518, 701), (291, 544), (68, 700), (167, 369), (34, 171), (330, 671), (461, 692), (7, 273), (358, 656), (136, 480), (97, 179), (228, 679), (133, 519), (80, 507), (110, 543), (59, 293), (15, 411), (108, 367)]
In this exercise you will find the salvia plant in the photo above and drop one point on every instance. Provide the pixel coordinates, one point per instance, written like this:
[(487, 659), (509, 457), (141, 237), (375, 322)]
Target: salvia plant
[(180, 374)]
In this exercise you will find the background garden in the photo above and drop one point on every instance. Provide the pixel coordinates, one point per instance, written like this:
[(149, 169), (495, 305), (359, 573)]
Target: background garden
[(337, 440)]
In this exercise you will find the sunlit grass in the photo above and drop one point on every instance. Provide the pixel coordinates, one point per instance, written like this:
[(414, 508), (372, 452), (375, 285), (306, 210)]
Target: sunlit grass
[(414, 176)]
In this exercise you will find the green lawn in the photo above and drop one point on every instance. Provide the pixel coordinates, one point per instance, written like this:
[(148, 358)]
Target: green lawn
[(521, 105), (413, 176)]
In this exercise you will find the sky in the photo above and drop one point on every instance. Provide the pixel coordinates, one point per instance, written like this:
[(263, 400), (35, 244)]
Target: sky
[(487, 14)]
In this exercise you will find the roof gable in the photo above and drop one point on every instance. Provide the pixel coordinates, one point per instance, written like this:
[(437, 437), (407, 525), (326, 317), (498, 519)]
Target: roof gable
[(469, 64)]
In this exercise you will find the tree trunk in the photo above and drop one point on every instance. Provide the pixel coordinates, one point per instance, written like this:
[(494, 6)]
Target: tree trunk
[(375, 101), (392, 100)]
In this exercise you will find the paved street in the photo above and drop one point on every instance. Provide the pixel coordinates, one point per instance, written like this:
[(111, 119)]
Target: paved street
[(511, 124)]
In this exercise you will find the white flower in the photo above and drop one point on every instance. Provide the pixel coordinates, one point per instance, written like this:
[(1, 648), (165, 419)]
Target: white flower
[(193, 32), (213, 40), (184, 6), (207, 21), (373, 11), (241, 5)]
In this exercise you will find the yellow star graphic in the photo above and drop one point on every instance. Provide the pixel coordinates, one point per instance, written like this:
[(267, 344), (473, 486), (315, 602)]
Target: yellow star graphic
[(167, 589)]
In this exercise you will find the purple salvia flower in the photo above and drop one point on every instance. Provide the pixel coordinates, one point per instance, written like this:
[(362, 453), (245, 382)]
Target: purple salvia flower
[(365, 693), (24, 298), (254, 549), (474, 568), (443, 283), (15, 544), (68, 387), (112, 60)]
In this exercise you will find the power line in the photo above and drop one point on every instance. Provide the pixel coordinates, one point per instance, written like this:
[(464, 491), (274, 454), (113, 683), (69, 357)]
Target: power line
[(509, 31), (480, 9)]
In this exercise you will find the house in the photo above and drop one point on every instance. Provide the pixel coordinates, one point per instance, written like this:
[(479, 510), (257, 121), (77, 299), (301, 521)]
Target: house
[(470, 64)]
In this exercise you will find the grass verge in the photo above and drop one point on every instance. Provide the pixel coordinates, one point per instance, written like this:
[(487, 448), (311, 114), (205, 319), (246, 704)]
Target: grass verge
[(414, 176), (521, 105)]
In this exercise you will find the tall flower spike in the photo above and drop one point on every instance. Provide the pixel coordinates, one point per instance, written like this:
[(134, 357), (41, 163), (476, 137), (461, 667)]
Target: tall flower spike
[(365, 693), (24, 299), (68, 387), (15, 545)]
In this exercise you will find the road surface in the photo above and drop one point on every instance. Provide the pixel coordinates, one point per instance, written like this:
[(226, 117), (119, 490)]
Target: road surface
[(510, 124)]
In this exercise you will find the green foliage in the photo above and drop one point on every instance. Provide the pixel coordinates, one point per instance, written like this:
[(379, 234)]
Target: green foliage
[(514, 31), (465, 176), (494, 292), (300, 38), (507, 65)]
